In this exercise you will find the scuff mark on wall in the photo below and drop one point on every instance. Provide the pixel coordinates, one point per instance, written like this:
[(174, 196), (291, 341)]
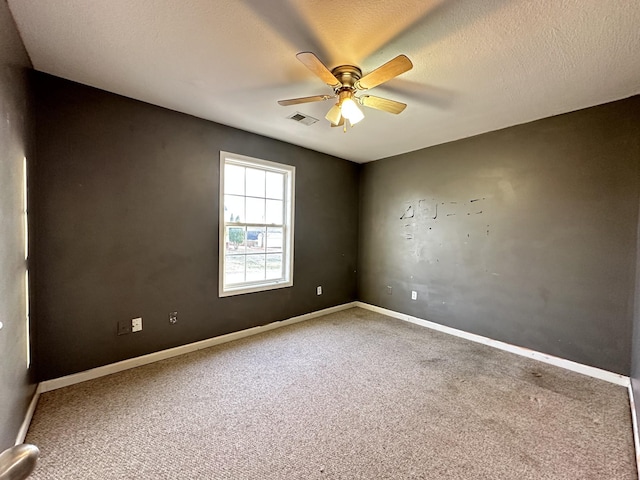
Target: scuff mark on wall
[(408, 213)]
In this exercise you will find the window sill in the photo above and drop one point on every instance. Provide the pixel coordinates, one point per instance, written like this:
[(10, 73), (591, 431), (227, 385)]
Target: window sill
[(242, 289)]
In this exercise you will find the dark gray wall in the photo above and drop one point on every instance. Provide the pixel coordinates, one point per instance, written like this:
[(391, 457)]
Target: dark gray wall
[(635, 349), (127, 219), (525, 235), (16, 388)]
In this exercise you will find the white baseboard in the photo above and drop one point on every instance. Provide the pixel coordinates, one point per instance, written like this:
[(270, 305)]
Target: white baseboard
[(97, 372), (525, 352), (24, 427)]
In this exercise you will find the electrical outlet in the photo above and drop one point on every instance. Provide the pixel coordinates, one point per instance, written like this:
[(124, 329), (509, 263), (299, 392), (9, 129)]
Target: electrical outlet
[(173, 317), (414, 295), (124, 327), (389, 290), (136, 324), (319, 290)]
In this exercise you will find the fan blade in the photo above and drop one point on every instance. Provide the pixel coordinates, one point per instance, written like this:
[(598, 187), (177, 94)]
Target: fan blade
[(339, 124), (314, 64), (295, 101), (383, 104), (384, 73), (334, 115)]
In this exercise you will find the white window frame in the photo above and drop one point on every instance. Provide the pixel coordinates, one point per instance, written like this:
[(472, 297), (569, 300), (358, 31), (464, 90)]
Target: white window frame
[(287, 227)]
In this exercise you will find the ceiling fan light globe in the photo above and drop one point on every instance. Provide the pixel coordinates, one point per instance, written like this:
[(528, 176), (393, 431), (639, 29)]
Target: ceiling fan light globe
[(351, 112), (334, 114)]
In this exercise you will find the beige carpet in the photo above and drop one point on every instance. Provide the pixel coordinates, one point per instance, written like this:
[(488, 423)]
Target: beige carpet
[(352, 395)]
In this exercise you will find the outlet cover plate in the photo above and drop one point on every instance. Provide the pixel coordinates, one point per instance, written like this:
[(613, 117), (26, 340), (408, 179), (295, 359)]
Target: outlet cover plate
[(136, 324), (414, 295)]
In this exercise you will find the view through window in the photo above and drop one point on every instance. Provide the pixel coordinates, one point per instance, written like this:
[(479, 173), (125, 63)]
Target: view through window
[(256, 224)]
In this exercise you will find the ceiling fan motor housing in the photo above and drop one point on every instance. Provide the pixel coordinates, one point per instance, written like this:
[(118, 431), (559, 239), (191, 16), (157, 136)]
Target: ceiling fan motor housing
[(348, 75)]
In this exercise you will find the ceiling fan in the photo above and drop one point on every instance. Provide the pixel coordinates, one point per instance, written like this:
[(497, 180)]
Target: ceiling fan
[(346, 81)]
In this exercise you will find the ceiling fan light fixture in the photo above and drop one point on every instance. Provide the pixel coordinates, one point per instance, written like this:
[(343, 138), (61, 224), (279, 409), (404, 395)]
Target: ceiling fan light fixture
[(350, 111)]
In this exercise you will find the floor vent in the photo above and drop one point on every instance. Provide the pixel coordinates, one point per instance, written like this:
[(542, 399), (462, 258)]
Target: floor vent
[(302, 118)]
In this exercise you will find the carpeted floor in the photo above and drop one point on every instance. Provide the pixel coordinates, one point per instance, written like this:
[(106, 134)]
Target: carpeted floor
[(352, 395)]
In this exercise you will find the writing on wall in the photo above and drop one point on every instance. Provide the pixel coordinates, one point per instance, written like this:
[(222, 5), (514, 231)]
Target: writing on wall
[(430, 226)]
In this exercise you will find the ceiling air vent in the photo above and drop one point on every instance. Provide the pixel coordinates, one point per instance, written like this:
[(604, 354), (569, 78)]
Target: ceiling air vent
[(302, 118)]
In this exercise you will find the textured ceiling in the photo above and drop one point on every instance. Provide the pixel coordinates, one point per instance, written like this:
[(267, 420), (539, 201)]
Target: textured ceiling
[(478, 65)]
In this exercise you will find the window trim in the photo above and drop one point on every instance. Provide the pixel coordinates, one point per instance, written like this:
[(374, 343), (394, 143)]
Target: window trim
[(288, 224)]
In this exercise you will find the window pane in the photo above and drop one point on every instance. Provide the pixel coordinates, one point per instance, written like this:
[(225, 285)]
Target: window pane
[(255, 182), (233, 208), (234, 268), (255, 239), (234, 179), (255, 210), (255, 268), (274, 211), (275, 185), (274, 266), (274, 239), (256, 224), (235, 240)]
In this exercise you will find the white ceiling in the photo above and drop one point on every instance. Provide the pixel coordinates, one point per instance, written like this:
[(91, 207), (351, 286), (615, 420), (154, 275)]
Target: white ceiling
[(479, 65)]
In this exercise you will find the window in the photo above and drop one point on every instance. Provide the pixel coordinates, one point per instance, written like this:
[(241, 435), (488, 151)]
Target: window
[(256, 224)]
